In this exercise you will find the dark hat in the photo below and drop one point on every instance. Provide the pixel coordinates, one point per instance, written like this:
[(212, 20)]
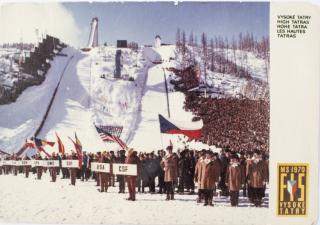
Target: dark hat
[(257, 152), (234, 156), (209, 152)]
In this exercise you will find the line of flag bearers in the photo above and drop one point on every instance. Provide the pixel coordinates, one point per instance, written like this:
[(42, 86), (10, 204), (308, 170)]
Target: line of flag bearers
[(225, 174)]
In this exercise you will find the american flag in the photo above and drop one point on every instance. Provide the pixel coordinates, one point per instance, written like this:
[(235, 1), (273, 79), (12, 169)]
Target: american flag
[(106, 136)]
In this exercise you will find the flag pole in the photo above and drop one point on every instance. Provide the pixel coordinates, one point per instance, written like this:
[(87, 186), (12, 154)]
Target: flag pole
[(161, 137)]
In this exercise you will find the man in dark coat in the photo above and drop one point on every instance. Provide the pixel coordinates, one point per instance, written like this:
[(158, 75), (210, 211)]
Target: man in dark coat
[(39, 169), (112, 176), (84, 167), (121, 159), (225, 160), (53, 170), (160, 172), (73, 171)]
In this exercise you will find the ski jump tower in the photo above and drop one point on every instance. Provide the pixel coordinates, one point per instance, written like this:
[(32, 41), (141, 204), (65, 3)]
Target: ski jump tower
[(93, 37)]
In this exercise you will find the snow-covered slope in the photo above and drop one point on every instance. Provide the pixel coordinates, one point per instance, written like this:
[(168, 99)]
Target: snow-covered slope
[(257, 67), (154, 102), (20, 119), (88, 94)]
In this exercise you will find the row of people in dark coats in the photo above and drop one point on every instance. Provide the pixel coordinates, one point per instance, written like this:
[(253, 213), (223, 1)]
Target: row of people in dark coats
[(216, 174)]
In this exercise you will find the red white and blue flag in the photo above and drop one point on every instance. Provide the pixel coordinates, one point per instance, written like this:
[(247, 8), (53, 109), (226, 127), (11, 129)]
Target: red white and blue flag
[(193, 130), (38, 144), (106, 136)]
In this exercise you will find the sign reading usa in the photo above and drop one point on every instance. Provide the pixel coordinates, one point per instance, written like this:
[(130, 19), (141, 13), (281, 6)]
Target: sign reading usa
[(125, 169), (100, 167), (292, 189)]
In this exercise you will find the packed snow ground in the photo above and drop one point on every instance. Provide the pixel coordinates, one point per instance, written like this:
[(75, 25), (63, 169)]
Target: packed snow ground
[(26, 200)]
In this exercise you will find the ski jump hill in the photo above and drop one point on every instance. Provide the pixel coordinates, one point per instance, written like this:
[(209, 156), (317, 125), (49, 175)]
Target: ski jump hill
[(82, 99)]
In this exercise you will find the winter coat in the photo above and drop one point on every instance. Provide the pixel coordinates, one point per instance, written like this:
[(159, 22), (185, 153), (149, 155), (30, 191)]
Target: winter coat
[(169, 165), (152, 167), (257, 174), (133, 159), (235, 177), (144, 173), (209, 173), (197, 169)]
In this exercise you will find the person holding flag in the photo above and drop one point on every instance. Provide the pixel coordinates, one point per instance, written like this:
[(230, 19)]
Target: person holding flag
[(76, 156), (53, 170)]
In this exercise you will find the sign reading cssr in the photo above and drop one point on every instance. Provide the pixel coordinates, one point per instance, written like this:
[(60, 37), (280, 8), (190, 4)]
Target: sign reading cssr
[(70, 163), (125, 169)]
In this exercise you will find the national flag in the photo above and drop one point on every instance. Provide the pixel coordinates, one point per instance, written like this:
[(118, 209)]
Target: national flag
[(40, 149), (292, 187), (193, 130), (106, 136), (37, 144), (78, 148), (78, 141), (40, 142), (29, 144), (60, 145)]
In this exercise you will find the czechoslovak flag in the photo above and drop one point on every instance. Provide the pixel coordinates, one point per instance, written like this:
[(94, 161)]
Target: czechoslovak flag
[(189, 129)]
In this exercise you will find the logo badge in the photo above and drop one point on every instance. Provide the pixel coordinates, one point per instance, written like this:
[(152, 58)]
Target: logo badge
[(292, 189)]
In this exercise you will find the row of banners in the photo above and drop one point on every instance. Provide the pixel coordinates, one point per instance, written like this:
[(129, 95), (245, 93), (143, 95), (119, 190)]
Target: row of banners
[(117, 168)]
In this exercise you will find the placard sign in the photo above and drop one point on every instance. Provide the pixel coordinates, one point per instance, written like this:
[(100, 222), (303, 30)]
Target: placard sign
[(36, 163), (26, 163), (51, 163), (125, 169), (7, 163), (70, 163), (16, 163), (100, 167)]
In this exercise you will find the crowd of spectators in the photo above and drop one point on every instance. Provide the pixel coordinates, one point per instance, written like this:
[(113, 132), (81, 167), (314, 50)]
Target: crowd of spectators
[(238, 124)]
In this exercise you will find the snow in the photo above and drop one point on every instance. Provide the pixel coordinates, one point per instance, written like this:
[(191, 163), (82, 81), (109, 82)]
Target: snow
[(256, 66), (41, 201), (19, 119), (224, 84), (89, 95), (154, 102)]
